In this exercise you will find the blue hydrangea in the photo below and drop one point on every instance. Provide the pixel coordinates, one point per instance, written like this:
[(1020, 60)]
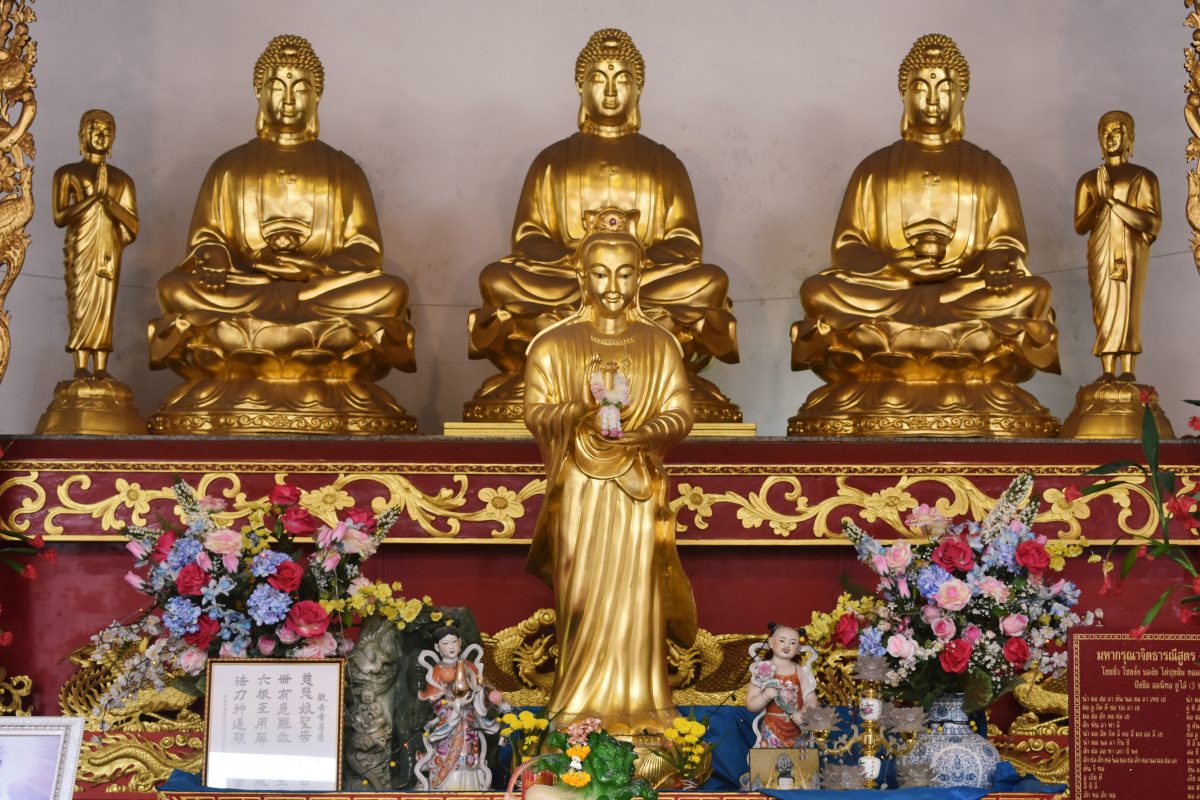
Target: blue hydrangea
[(1069, 593), (930, 579), (181, 616), (183, 552), (1002, 553), (267, 605), (870, 642), (215, 589), (234, 624), (160, 578), (266, 563)]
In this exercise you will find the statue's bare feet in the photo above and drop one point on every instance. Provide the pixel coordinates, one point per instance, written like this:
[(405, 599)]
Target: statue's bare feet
[(1127, 377), (81, 373), (102, 375)]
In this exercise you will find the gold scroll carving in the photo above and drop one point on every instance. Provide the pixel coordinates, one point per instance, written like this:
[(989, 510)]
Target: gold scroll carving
[(13, 692)]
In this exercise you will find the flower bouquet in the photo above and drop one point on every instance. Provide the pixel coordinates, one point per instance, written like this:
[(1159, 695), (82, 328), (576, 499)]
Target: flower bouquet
[(221, 592), (527, 732), (687, 751), (970, 610), (592, 765)]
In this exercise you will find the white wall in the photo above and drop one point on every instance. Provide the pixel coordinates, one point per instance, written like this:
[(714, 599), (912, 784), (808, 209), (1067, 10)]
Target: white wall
[(770, 104)]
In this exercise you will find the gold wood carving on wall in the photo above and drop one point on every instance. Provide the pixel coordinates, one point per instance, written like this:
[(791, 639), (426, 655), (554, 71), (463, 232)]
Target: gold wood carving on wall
[(18, 54), (714, 503), (1191, 113), (14, 690)]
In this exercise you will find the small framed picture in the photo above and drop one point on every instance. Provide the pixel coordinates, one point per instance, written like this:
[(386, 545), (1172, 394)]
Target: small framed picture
[(274, 724), (39, 756), (780, 768)]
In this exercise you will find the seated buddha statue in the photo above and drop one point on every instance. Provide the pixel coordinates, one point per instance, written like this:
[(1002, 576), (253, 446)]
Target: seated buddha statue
[(280, 317), (928, 317), (607, 163)]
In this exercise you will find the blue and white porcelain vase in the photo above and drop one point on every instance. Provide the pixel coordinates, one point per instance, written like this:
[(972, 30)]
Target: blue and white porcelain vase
[(957, 755)]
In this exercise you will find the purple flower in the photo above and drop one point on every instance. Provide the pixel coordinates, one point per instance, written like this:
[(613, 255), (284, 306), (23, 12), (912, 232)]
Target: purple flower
[(930, 579), (267, 605), (181, 616), (266, 563)]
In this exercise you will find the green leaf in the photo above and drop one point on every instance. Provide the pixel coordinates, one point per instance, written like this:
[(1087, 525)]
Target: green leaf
[(188, 684), (978, 695), (1150, 439), (1193, 402), (1100, 487), (1166, 481), (1157, 607), (1131, 557), (1113, 467)]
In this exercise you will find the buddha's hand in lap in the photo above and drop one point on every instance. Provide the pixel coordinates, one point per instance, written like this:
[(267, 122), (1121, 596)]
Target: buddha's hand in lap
[(923, 269), (290, 267)]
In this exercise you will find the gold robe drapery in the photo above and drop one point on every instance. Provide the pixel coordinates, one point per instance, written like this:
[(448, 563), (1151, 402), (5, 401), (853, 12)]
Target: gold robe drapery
[(605, 539)]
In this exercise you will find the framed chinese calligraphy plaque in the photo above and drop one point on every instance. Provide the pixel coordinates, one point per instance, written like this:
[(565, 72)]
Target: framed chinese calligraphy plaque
[(274, 724)]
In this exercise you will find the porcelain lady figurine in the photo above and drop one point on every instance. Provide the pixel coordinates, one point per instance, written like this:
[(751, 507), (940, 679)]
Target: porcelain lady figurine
[(781, 687), (455, 750)]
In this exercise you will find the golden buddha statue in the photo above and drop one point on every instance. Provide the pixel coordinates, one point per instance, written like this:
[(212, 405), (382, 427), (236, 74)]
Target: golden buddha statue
[(97, 204), (928, 317), (1117, 205), (606, 396), (281, 318), (607, 163)]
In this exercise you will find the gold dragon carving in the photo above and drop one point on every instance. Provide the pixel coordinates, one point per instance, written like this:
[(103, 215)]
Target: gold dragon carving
[(18, 54), (1036, 741)]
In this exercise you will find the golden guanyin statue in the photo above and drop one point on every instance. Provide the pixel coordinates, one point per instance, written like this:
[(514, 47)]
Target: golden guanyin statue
[(1117, 205), (607, 163), (280, 318), (606, 396), (928, 317)]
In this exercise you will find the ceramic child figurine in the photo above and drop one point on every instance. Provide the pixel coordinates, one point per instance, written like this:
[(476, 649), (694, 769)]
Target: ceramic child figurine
[(781, 687), (455, 751)]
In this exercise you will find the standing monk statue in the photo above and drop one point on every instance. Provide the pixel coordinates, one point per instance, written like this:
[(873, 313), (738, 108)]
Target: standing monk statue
[(928, 317), (280, 317), (607, 163), (606, 397), (96, 203), (1117, 205)]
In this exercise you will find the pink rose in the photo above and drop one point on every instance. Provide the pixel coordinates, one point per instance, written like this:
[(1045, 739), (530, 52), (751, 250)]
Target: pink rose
[(135, 580), (283, 495), (136, 547), (356, 541), (879, 564), (317, 647), (230, 650), (266, 645), (330, 561), (972, 633), (930, 612), (953, 595), (286, 635), (192, 661), (902, 587), (203, 561), (993, 588), (1014, 624), (211, 503), (944, 628), (308, 619), (901, 647), (898, 557), (223, 541), (926, 519), (362, 519), (230, 562)]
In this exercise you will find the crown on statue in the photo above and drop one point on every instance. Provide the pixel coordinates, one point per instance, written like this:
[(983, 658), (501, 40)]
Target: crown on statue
[(611, 219)]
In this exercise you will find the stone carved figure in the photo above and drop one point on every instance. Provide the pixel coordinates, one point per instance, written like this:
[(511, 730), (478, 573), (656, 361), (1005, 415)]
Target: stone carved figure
[(97, 205), (607, 163), (280, 317), (928, 317), (1117, 205), (781, 686), (454, 747), (605, 538)]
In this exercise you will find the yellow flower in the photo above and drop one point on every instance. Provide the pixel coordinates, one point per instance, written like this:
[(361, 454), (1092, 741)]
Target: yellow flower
[(509, 719), (326, 502), (502, 503), (132, 496), (696, 728), (526, 718), (383, 590), (576, 779), (579, 751), (691, 739), (506, 731), (436, 616), (681, 724), (671, 734), (400, 625), (1094, 558), (542, 724)]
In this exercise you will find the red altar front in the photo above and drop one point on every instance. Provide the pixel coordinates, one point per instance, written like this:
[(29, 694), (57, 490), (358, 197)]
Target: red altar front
[(758, 520)]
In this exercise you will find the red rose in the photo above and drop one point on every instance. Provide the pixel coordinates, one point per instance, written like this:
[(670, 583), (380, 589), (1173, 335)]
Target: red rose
[(6, 638), (846, 630), (1032, 556), (191, 580), (955, 656), (38, 542), (953, 554), (298, 522), (283, 495), (362, 518), (204, 634), (162, 548), (29, 572), (1016, 652), (307, 618), (287, 576)]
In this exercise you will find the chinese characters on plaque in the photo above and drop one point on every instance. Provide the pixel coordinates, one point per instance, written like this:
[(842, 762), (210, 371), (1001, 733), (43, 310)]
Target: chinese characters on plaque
[(274, 724), (1135, 714)]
